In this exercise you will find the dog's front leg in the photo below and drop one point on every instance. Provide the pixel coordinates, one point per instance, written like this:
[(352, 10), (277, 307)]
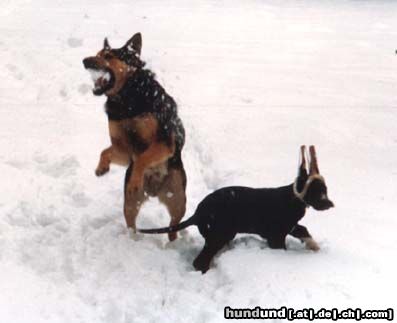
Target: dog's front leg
[(277, 242), (104, 161), (301, 232), (116, 154)]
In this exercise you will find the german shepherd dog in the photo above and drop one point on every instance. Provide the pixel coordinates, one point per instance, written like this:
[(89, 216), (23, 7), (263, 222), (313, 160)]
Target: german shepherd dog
[(145, 130), (272, 213)]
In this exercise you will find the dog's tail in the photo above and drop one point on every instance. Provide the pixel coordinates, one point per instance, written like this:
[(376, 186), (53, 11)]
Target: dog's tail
[(174, 228)]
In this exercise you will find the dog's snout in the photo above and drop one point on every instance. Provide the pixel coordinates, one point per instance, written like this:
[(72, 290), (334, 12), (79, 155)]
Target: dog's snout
[(90, 62), (322, 205), (327, 204)]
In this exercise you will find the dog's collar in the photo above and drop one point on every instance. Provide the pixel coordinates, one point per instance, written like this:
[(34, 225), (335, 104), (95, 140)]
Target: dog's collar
[(301, 195)]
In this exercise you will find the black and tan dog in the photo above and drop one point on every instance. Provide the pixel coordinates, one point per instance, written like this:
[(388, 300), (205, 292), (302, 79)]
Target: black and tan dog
[(145, 130), (273, 213)]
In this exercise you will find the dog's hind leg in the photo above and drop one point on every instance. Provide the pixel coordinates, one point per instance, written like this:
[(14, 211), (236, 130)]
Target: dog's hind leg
[(211, 248), (132, 202), (301, 232), (155, 154), (173, 195)]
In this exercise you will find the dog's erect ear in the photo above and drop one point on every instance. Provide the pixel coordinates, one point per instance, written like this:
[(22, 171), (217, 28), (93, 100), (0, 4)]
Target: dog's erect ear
[(313, 161), (134, 44), (302, 170), (106, 45)]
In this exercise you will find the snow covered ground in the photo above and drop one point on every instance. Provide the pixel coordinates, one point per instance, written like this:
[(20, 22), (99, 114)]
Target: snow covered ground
[(254, 80)]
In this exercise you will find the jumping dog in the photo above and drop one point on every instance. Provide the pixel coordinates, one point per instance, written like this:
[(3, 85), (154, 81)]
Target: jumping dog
[(145, 131), (272, 213)]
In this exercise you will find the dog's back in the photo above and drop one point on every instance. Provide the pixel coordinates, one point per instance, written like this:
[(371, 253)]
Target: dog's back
[(239, 209)]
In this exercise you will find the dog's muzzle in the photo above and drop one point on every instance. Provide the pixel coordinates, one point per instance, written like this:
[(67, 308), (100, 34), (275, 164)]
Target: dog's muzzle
[(102, 77)]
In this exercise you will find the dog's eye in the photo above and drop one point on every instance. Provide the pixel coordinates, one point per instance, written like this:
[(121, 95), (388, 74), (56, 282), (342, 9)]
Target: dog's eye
[(108, 56)]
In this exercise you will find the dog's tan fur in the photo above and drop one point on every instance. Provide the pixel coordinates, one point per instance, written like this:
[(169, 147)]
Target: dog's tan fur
[(311, 244)]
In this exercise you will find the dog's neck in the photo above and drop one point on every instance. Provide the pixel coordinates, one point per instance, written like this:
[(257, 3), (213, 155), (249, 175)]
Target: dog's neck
[(138, 95), (301, 195), (136, 81)]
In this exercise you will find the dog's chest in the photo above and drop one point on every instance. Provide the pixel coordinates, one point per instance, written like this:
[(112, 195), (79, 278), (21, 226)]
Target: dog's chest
[(133, 133)]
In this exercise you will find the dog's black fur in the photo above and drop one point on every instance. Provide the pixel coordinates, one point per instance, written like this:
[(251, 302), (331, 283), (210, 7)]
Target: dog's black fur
[(272, 213)]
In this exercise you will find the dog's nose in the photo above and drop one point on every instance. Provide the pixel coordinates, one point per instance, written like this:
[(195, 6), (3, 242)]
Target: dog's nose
[(330, 204), (85, 62)]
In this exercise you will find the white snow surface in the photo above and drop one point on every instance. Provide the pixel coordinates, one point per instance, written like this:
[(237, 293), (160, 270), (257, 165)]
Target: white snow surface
[(254, 80)]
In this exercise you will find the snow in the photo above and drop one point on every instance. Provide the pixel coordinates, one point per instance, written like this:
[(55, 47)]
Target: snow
[(96, 74), (254, 80), (99, 77)]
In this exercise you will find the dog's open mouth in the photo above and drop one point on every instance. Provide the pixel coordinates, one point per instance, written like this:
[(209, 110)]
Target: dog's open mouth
[(103, 80)]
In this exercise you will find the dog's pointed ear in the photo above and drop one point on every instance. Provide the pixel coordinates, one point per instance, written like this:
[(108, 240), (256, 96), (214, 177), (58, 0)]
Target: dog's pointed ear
[(134, 44), (313, 161), (302, 170), (106, 45)]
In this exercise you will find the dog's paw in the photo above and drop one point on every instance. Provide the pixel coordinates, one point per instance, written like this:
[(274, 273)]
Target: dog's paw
[(169, 245), (172, 236), (101, 171), (311, 244), (134, 235)]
